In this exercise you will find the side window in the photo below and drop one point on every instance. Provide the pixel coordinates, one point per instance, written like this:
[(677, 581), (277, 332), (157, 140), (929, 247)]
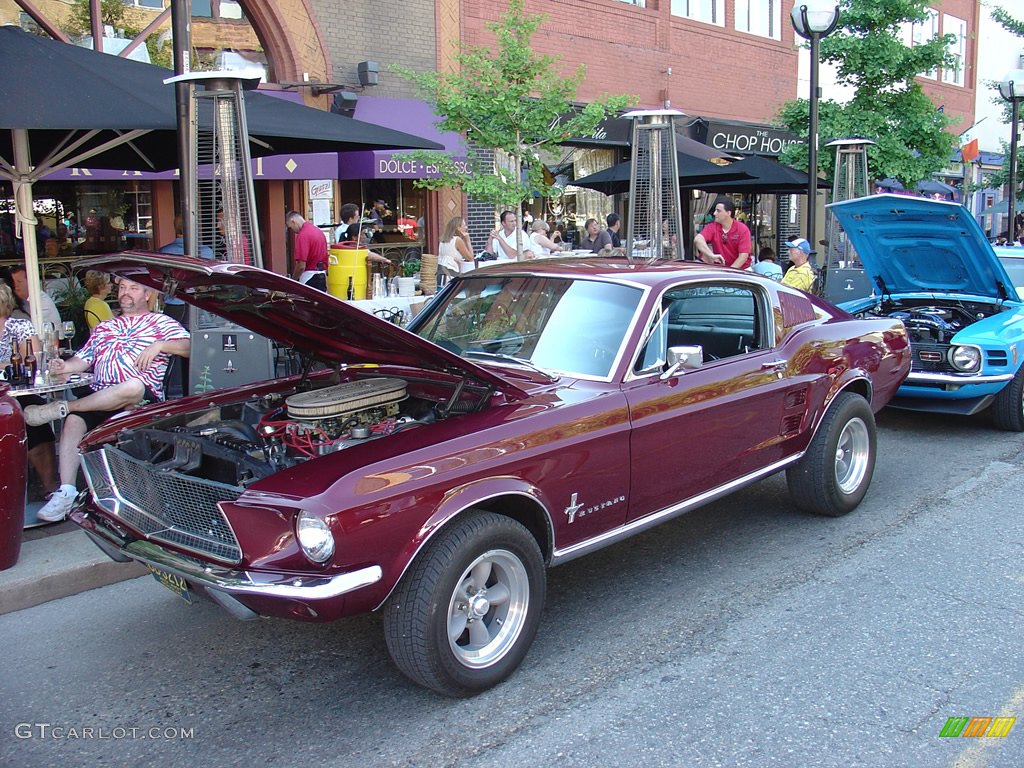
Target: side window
[(724, 320)]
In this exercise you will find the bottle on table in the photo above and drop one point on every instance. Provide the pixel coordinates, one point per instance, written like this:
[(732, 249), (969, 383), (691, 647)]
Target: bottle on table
[(351, 289), (31, 367), (17, 368)]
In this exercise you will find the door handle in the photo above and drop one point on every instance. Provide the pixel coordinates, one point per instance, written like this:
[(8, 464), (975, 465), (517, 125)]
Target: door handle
[(774, 365)]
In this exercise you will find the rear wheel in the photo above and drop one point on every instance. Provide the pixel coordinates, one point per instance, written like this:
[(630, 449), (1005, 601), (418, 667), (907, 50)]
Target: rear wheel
[(1008, 408), (835, 473), (464, 616)]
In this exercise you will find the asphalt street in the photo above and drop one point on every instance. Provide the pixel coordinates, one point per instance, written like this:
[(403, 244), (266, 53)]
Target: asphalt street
[(744, 634)]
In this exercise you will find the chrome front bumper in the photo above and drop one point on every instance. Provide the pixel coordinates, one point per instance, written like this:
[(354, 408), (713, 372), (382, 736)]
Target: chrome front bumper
[(916, 377), (223, 585)]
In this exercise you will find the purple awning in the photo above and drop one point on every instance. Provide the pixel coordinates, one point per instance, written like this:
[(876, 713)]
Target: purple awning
[(415, 117)]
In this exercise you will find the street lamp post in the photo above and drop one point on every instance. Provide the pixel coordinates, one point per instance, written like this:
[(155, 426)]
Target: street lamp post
[(1012, 90), (813, 20)]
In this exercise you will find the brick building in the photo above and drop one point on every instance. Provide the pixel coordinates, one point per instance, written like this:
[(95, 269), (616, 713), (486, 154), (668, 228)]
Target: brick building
[(728, 64)]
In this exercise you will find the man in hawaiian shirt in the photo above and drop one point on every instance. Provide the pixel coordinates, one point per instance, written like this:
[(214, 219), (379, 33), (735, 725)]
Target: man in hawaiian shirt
[(128, 356)]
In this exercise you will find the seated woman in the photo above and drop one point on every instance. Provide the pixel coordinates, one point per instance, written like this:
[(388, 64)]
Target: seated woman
[(18, 333), (96, 308), (542, 244), (454, 248)]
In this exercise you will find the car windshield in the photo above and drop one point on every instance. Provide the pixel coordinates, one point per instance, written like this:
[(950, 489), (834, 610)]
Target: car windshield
[(1015, 269), (563, 325)]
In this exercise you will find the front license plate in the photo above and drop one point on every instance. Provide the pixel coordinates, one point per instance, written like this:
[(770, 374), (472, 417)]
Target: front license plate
[(173, 582)]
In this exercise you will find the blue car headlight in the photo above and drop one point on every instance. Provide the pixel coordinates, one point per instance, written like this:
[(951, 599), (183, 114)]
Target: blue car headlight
[(965, 358), (314, 537)]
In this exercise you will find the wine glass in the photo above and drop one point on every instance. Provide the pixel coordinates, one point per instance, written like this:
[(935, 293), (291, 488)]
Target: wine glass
[(69, 332)]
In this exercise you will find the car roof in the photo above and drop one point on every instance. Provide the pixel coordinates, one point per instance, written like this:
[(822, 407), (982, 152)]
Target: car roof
[(648, 274)]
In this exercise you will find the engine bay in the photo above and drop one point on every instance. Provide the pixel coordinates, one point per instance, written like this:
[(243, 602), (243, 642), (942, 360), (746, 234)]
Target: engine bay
[(931, 323), (241, 443)]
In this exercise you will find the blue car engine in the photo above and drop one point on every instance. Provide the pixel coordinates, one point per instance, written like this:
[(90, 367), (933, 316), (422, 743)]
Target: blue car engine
[(932, 324)]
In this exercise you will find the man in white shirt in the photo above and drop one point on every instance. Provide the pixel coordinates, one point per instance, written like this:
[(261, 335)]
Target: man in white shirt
[(503, 241)]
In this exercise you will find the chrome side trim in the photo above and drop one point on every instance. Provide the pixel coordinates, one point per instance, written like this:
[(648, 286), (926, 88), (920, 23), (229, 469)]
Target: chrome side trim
[(955, 378), (561, 556)]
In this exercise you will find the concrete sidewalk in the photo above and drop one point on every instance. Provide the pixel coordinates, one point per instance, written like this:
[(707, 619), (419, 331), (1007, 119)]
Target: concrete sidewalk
[(58, 561)]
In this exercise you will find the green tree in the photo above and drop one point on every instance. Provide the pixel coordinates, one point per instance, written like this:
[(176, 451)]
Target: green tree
[(510, 99), (888, 105)]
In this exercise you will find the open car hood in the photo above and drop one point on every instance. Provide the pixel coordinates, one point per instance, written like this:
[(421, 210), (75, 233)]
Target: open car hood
[(918, 245), (291, 313)]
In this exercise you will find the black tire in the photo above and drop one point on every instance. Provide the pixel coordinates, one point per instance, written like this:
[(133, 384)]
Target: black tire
[(441, 592), (1008, 408), (834, 474)]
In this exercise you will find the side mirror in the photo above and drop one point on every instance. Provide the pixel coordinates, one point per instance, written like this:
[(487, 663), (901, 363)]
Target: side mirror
[(683, 359)]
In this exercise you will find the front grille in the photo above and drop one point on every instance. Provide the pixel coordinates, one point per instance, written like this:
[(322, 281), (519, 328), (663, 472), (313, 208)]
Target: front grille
[(931, 358), (167, 507)]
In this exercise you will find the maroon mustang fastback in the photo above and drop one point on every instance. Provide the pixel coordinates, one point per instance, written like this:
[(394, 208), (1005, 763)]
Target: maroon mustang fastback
[(532, 413)]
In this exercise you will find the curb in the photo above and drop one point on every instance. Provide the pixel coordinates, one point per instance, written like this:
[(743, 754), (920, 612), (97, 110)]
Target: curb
[(59, 566)]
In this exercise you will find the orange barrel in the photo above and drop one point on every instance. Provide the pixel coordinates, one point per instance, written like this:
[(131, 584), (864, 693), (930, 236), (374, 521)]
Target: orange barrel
[(344, 262)]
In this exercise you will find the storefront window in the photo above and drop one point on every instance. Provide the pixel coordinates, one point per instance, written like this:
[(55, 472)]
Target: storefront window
[(581, 204), (404, 215), (76, 219)]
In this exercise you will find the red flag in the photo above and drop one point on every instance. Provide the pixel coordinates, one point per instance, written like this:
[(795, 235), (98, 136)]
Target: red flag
[(969, 151)]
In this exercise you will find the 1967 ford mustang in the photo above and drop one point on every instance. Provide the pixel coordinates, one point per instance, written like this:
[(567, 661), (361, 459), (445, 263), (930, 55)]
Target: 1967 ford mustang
[(931, 266), (532, 413)]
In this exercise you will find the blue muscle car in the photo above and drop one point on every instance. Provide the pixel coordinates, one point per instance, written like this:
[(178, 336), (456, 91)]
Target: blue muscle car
[(931, 267)]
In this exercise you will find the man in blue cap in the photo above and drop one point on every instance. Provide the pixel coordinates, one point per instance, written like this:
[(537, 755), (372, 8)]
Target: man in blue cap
[(801, 274)]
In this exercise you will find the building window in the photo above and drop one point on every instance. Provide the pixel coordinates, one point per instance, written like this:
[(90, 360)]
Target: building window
[(758, 17), (708, 11), (920, 32), (951, 25), (217, 9), (158, 4), (637, 3)]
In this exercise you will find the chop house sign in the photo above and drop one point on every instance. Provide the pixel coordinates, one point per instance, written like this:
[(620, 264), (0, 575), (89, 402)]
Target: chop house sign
[(748, 139)]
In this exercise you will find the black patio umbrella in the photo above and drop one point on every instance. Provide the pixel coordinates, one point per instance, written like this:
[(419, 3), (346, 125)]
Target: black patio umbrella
[(693, 173), (766, 177), (113, 112), (891, 184), (931, 187)]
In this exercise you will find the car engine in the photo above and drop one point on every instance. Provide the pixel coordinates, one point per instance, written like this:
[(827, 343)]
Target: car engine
[(242, 443), (933, 323)]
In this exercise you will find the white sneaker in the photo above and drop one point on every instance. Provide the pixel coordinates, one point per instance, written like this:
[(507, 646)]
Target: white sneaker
[(44, 414), (58, 506)]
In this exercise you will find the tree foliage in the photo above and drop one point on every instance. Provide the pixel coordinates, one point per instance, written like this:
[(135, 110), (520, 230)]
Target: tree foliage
[(889, 107), (511, 99)]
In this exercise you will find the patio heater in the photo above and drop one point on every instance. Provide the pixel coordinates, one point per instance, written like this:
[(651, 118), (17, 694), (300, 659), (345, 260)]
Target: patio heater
[(842, 276), (655, 212), (221, 206)]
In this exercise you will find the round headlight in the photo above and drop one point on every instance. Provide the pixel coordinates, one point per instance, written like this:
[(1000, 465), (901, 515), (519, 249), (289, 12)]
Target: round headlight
[(315, 537), (965, 358)]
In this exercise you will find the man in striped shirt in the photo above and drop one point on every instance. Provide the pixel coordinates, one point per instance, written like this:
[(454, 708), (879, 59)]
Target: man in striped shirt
[(128, 356)]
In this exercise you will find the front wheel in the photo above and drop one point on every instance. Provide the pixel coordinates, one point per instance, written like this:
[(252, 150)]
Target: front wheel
[(1008, 408), (464, 615), (835, 472)]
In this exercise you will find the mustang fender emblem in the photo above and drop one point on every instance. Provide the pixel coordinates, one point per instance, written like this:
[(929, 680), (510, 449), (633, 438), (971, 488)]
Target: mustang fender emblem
[(575, 509)]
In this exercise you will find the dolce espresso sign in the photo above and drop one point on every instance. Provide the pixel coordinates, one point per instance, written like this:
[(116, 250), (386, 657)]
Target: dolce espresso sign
[(748, 139)]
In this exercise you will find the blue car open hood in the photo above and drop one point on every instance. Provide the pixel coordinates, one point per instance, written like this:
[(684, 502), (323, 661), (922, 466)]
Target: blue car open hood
[(918, 245)]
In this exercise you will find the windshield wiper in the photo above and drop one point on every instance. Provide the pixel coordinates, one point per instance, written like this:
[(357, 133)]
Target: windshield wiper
[(507, 359)]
